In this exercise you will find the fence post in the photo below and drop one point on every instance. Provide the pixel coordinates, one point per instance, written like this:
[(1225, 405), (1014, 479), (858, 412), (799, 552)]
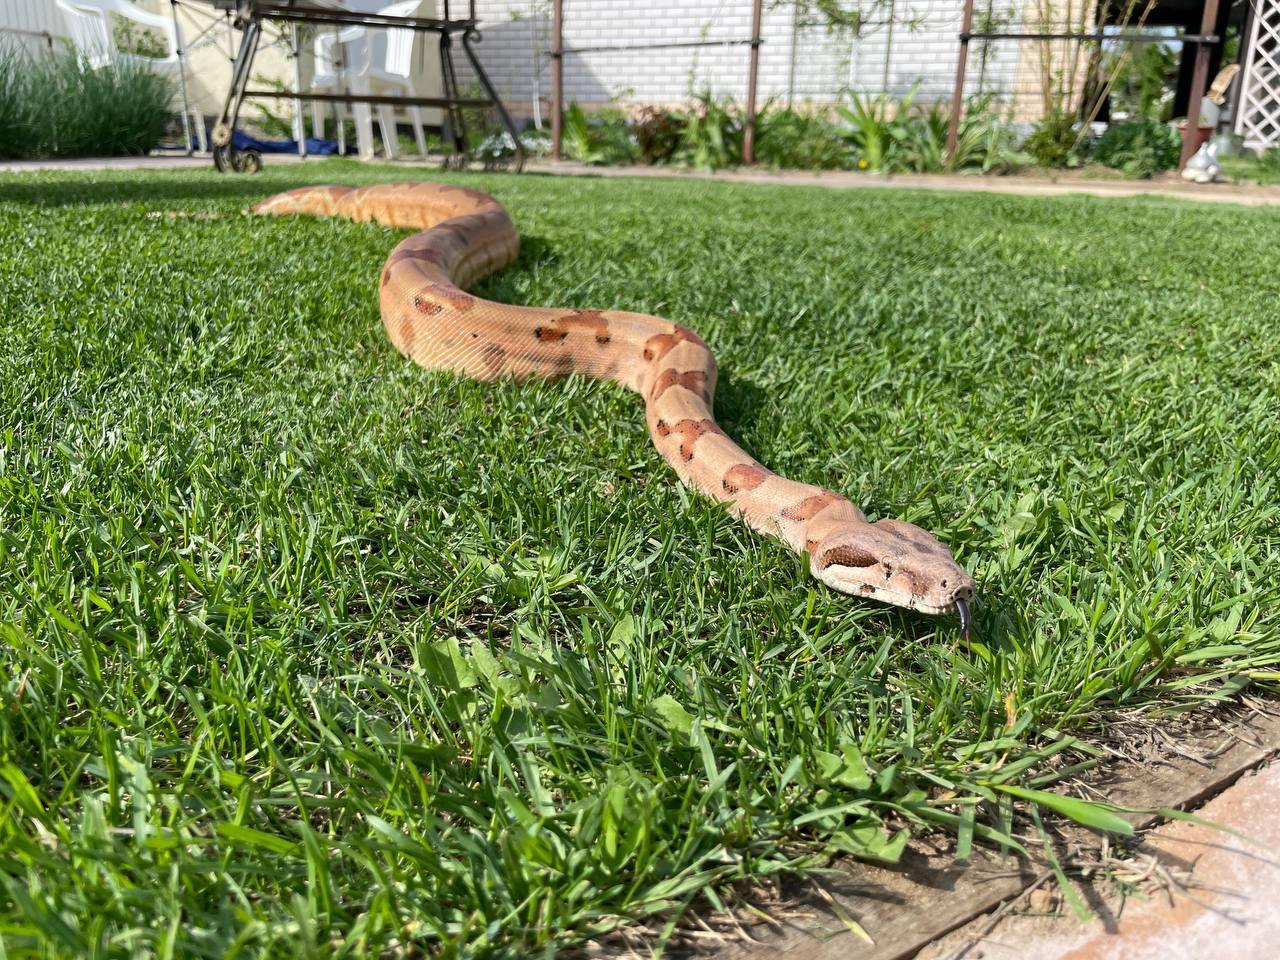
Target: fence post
[(957, 95), (753, 72), (1199, 78), (557, 75)]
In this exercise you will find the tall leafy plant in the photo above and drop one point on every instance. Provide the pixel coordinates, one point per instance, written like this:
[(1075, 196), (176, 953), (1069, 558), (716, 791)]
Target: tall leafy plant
[(712, 137), (599, 139), (1055, 141), (923, 139), (986, 142), (874, 129), (799, 140), (1140, 147)]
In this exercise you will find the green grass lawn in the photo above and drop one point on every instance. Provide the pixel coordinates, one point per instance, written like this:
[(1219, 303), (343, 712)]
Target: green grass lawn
[(309, 652), (1252, 170)]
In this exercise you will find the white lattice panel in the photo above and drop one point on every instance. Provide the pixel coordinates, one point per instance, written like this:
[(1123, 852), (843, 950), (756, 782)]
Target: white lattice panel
[(1258, 116)]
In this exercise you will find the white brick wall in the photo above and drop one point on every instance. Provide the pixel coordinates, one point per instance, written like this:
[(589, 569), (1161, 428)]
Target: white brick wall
[(824, 64), (516, 36)]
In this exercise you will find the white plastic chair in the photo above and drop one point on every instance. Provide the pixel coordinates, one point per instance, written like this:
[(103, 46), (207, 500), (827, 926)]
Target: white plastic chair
[(89, 26), (385, 67), (391, 71), (90, 29), (335, 54)]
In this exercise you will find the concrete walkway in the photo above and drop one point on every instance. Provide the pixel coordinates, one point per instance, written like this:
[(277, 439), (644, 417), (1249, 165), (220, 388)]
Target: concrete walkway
[(1028, 186), (160, 161)]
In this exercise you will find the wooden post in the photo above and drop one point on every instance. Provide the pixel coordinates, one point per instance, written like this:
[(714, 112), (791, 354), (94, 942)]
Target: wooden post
[(557, 75), (1199, 80), (957, 95), (753, 73)]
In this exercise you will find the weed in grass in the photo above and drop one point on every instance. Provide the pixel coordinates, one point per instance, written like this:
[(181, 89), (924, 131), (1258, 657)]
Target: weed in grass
[(309, 651)]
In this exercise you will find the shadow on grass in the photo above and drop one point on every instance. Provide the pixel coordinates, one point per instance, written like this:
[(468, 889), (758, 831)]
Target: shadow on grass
[(157, 190), (168, 186)]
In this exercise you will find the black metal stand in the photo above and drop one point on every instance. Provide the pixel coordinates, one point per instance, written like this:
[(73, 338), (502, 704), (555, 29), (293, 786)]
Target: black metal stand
[(249, 15)]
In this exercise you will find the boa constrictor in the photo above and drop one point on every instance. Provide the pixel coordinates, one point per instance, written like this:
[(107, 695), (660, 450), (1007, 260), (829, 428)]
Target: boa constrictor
[(466, 234)]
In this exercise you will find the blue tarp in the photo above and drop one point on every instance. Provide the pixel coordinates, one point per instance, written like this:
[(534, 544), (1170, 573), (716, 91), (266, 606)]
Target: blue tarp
[(315, 147)]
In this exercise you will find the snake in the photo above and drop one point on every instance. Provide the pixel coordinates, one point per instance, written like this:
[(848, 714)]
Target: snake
[(463, 234)]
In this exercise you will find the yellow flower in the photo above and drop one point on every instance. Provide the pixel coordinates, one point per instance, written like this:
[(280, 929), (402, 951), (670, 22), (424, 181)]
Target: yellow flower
[(862, 164)]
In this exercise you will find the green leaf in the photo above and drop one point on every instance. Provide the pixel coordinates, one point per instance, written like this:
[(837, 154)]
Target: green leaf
[(249, 837), (867, 839), (622, 634), (673, 716), (21, 791), (445, 664), (1096, 816), (1215, 653), (847, 769)]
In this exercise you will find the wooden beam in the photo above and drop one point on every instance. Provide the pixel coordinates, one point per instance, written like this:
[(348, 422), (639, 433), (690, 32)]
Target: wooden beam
[(957, 95), (1199, 82), (753, 76), (557, 76)]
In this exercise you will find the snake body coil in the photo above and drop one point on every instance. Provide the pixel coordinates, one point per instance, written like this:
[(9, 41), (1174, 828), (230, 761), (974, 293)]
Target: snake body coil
[(465, 234)]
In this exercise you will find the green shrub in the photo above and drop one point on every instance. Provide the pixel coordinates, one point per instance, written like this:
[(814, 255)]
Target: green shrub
[(873, 130), (59, 106), (1269, 161), (891, 136), (874, 133), (138, 39), (797, 140), (712, 135), (15, 107), (657, 133), (602, 138), (1140, 147), (922, 139), (1143, 79), (1055, 142), (986, 142)]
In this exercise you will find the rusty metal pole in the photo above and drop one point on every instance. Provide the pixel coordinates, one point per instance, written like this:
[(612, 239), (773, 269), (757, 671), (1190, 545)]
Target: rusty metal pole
[(557, 75), (957, 95), (753, 74), (1199, 80)]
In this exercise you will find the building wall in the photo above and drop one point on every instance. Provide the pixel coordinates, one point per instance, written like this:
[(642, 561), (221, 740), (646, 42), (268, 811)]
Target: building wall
[(31, 17), (797, 61)]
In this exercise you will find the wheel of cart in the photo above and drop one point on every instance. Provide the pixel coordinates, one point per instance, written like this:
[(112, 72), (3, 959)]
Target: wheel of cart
[(230, 160)]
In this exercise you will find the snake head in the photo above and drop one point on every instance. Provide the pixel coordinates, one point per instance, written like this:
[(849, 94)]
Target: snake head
[(894, 562)]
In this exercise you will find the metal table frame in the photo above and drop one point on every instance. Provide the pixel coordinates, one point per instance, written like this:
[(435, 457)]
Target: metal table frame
[(249, 15)]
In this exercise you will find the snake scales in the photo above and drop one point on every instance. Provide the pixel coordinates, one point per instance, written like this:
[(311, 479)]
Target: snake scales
[(466, 234)]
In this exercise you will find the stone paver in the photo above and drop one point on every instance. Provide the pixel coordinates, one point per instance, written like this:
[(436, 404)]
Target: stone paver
[(1231, 907)]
